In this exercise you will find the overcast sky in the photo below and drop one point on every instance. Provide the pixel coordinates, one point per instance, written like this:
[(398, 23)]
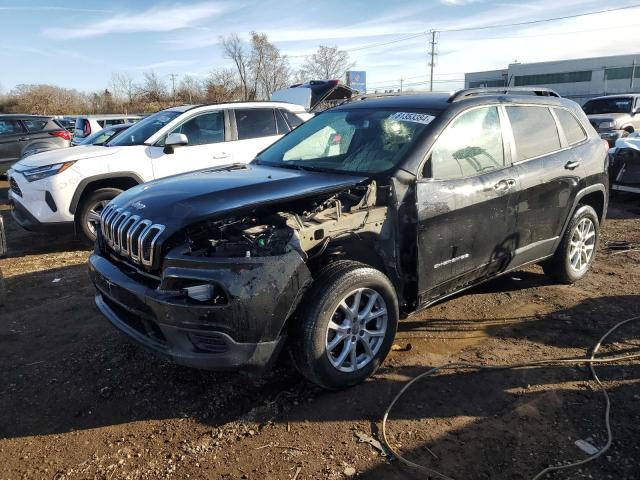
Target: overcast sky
[(53, 42)]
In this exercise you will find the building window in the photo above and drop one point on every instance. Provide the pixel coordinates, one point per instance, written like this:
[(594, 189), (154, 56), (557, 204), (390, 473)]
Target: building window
[(547, 78), (487, 83), (621, 73)]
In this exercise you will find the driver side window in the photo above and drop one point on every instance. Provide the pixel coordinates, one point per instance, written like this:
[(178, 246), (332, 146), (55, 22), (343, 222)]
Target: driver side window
[(203, 129), (471, 145)]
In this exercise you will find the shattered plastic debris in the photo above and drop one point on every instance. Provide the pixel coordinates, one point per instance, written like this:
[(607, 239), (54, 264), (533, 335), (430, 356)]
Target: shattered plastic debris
[(586, 447)]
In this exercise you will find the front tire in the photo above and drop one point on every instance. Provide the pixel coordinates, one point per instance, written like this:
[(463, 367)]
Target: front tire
[(346, 326), (88, 214), (576, 252)]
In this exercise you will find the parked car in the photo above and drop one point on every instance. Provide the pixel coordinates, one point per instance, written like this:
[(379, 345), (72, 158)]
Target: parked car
[(614, 116), (68, 123), (368, 211), (88, 124), (102, 136), (22, 135), (70, 187)]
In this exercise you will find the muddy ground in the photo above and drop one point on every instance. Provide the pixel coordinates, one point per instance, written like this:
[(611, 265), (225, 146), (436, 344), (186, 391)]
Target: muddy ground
[(78, 401)]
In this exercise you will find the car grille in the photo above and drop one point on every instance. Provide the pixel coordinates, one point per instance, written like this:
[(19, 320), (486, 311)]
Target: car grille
[(14, 187), (129, 235)]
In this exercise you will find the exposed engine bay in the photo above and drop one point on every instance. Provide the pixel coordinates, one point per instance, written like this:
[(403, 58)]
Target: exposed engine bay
[(306, 227)]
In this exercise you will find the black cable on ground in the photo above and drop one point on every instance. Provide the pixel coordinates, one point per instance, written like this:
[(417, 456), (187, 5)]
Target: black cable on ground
[(591, 361)]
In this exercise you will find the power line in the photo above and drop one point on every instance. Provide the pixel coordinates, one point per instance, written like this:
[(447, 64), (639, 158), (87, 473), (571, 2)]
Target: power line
[(530, 22), (485, 27)]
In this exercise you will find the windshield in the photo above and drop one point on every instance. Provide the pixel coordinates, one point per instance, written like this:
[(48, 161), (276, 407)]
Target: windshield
[(358, 140), (139, 132), (608, 105)]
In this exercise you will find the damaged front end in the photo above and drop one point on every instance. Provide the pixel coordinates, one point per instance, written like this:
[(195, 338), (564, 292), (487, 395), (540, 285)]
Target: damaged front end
[(226, 286), (306, 228), (625, 168)]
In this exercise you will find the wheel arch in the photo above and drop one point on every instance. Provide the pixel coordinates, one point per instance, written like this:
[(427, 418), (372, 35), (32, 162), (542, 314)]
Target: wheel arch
[(122, 180), (596, 197)]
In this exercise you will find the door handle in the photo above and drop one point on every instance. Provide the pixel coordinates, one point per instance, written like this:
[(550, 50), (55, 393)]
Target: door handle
[(23, 139), (572, 164)]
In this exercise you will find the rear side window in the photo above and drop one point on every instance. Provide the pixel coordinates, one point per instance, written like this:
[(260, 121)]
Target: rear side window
[(534, 130), (572, 128), (255, 123), (10, 127), (471, 145), (292, 119), (113, 121), (35, 125)]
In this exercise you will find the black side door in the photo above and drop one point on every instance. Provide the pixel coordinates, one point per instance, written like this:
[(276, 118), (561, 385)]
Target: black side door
[(466, 204), (12, 137), (549, 172)]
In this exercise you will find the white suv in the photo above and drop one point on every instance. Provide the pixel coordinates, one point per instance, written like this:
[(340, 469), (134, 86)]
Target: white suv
[(70, 187)]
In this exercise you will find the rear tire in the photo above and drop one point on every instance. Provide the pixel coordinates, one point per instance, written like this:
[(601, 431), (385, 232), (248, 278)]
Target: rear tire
[(88, 212), (576, 251), (346, 326)]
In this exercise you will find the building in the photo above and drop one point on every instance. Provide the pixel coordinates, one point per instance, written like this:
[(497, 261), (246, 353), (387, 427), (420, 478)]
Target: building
[(579, 79)]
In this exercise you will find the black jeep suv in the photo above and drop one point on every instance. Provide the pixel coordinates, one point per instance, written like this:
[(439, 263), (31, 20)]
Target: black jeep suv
[(365, 213)]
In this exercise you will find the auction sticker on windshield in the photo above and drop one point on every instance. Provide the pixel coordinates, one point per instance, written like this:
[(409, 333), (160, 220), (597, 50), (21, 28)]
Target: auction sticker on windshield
[(412, 117)]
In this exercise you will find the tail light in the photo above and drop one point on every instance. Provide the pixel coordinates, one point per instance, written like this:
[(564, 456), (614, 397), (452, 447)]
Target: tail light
[(61, 133), (86, 128)]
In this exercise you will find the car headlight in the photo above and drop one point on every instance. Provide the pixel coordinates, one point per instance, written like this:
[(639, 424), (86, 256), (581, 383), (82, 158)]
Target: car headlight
[(606, 125), (39, 173)]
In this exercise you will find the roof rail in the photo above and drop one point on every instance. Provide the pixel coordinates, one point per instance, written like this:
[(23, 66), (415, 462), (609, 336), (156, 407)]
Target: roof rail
[(470, 92)]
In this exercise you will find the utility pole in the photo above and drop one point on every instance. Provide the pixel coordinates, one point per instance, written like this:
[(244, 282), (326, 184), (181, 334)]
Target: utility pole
[(432, 62), (401, 82), (173, 77), (633, 73)]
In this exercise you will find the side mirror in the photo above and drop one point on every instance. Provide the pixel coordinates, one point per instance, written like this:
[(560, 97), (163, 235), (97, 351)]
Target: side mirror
[(175, 140)]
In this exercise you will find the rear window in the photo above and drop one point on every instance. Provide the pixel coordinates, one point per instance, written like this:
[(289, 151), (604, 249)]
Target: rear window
[(255, 123), (292, 119), (534, 130), (572, 128), (35, 125), (281, 123)]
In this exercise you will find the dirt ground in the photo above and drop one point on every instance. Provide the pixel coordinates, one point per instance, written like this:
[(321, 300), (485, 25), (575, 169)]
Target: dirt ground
[(78, 401)]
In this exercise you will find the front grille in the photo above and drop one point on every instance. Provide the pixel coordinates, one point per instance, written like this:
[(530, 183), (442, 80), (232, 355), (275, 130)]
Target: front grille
[(14, 187), (129, 235)]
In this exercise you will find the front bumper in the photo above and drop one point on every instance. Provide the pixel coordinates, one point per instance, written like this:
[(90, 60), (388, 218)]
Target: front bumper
[(246, 331), (23, 217), (39, 206)]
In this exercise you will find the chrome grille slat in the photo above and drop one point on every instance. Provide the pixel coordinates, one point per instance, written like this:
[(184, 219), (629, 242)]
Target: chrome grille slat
[(129, 235), (123, 233)]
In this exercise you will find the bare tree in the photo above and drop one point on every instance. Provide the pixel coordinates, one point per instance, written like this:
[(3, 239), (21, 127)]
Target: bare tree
[(236, 51), (326, 63), (223, 85), (123, 87), (190, 90), (269, 68), (153, 89)]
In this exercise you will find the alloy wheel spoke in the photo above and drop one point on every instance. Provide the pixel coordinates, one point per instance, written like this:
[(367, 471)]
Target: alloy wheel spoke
[(343, 329), (367, 347), (373, 298), (340, 337), (343, 354), (356, 303), (353, 357)]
